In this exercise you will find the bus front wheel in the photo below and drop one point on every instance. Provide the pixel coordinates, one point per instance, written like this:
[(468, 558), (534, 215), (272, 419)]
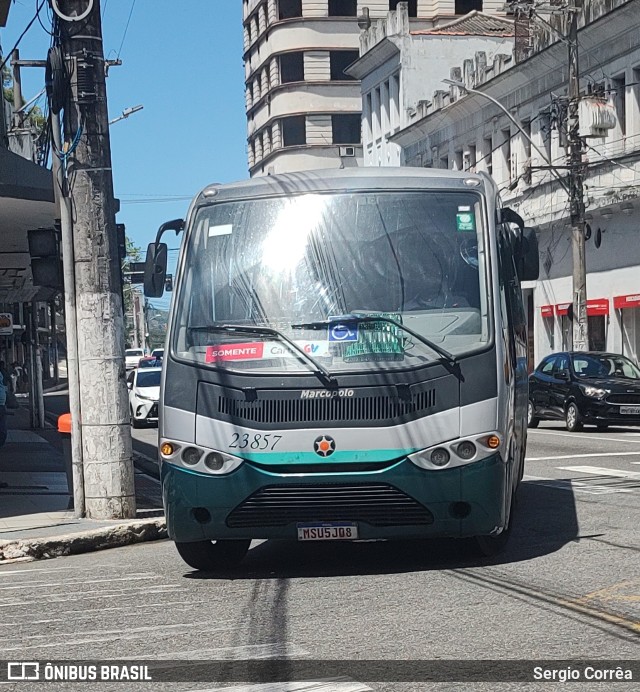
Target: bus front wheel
[(209, 556)]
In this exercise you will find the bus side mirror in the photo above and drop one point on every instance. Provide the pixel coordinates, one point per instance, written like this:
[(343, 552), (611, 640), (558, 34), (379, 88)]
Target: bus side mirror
[(155, 270), (528, 259)]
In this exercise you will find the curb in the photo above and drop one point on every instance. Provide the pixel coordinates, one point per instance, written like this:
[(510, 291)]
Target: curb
[(121, 534)]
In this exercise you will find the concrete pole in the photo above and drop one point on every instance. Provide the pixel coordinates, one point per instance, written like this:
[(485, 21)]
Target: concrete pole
[(18, 117), (68, 270), (580, 321), (106, 435)]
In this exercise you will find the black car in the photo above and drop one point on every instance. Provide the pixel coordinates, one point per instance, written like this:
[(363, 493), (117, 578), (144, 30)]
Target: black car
[(585, 387)]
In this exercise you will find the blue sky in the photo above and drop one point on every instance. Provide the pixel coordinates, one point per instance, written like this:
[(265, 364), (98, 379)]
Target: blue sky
[(183, 62)]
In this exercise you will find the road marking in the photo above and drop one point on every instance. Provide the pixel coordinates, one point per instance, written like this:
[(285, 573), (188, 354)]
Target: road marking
[(600, 471), (576, 486), (584, 456), (39, 584), (246, 652), (591, 437), (341, 684), (110, 636)]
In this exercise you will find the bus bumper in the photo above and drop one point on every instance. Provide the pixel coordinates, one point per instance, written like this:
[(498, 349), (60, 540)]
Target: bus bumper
[(463, 501)]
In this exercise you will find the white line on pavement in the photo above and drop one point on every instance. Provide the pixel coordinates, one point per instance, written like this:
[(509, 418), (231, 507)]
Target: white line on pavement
[(341, 684), (600, 471), (584, 456), (40, 584), (576, 486), (591, 437), (244, 652)]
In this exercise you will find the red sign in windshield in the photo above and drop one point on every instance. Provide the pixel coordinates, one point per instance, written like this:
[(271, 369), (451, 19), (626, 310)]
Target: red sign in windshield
[(250, 351)]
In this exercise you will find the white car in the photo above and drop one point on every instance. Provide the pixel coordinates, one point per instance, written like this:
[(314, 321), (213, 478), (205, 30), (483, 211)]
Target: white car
[(158, 353), (144, 393), (132, 357)]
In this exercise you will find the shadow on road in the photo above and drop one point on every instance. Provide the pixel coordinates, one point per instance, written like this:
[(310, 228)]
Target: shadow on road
[(545, 520)]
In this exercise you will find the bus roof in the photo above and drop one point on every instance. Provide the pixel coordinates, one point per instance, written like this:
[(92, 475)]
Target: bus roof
[(350, 179)]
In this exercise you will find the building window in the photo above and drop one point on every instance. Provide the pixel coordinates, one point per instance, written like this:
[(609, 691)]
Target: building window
[(619, 94), (466, 6), (444, 162), (343, 8), (291, 68), (470, 159), (339, 60), (346, 128), (294, 131), (458, 160), (413, 6), (487, 154), (287, 9)]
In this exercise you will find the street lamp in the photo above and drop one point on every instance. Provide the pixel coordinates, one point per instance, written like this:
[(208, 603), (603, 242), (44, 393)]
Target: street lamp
[(126, 113), (462, 85)]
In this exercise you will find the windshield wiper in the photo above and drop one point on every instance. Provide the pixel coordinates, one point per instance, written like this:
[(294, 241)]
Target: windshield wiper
[(365, 319), (317, 368)]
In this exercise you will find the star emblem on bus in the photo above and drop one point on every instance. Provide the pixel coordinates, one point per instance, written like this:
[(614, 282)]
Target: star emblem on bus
[(324, 446)]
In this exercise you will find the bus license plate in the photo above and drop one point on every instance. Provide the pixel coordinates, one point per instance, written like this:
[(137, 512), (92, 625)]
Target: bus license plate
[(630, 410), (333, 531)]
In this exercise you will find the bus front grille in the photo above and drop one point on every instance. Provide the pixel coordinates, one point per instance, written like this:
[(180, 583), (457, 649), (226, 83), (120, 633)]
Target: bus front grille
[(374, 503), (335, 409)]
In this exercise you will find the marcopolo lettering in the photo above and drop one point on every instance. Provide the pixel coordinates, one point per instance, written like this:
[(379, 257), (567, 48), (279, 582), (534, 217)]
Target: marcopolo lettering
[(325, 393)]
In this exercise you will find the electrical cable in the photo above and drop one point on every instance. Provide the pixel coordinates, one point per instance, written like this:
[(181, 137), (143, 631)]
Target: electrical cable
[(56, 79), (29, 25), (126, 28)]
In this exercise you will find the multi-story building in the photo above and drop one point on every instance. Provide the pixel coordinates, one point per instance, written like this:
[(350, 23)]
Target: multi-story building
[(466, 131), (402, 63), (303, 109)]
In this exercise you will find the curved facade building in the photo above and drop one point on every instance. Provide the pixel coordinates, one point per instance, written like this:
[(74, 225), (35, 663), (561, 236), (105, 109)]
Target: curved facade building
[(303, 110)]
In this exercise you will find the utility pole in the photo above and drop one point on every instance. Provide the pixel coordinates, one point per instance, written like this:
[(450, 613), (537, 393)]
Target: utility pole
[(106, 436), (576, 173)]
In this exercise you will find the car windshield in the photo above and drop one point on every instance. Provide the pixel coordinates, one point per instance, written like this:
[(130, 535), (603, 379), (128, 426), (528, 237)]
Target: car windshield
[(589, 365), (148, 379), (133, 352), (415, 258)]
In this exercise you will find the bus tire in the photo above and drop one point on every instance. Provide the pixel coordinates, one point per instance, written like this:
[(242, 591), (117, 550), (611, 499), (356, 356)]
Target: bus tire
[(210, 556), (487, 546)]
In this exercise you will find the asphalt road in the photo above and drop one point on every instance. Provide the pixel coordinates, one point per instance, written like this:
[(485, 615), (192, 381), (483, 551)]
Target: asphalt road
[(567, 587)]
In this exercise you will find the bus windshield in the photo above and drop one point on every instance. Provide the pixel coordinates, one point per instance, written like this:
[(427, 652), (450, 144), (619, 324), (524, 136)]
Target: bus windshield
[(416, 258)]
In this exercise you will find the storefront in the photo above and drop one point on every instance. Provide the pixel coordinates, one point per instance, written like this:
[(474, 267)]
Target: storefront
[(597, 321), (629, 313), (549, 326)]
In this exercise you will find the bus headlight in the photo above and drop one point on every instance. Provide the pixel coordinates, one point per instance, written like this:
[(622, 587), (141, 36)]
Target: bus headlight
[(458, 452), (196, 458)]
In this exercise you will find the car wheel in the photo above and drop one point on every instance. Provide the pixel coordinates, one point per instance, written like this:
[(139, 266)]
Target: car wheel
[(573, 418), (532, 421), (209, 556)]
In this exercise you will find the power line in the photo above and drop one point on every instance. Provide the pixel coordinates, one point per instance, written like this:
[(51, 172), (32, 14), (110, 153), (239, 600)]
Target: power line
[(29, 25), (126, 28)]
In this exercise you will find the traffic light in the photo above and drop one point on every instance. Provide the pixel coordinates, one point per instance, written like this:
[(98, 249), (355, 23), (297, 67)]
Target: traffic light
[(168, 282), (46, 265)]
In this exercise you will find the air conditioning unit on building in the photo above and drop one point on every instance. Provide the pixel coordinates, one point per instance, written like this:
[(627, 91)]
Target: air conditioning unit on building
[(347, 151)]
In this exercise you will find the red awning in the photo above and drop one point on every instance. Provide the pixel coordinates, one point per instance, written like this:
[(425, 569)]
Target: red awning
[(546, 310), (621, 302), (597, 306)]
